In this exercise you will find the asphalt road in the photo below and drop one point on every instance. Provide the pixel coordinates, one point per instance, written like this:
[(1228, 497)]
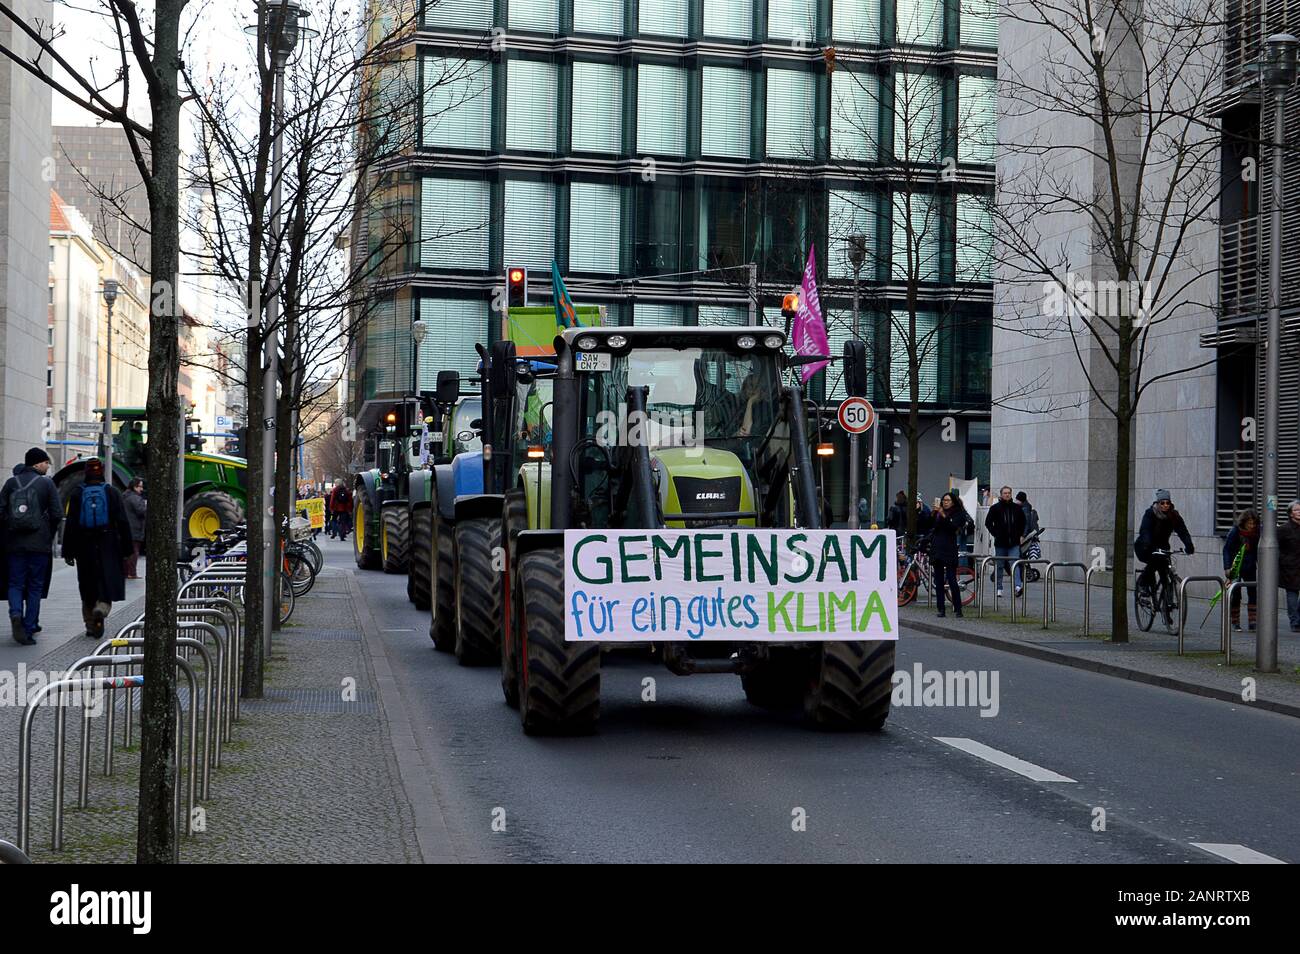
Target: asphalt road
[(699, 775)]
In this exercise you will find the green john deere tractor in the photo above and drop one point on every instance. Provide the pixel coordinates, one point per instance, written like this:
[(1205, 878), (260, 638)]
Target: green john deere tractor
[(666, 429), (216, 485)]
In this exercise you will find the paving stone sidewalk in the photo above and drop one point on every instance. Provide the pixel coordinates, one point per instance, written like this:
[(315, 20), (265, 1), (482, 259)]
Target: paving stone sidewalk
[(1148, 657), (310, 775)]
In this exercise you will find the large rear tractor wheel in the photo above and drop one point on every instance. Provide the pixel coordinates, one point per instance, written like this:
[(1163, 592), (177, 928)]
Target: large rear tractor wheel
[(442, 624), (365, 536), (478, 591), (851, 685), (395, 539), (210, 511), (514, 519), (418, 582), (560, 691)]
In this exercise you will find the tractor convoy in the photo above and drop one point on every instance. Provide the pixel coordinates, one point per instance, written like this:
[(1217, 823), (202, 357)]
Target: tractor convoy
[(651, 449)]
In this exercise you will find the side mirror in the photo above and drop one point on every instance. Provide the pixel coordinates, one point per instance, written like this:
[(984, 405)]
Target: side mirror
[(448, 387), (465, 437)]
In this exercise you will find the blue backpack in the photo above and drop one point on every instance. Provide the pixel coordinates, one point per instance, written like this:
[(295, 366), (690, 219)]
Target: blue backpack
[(94, 506)]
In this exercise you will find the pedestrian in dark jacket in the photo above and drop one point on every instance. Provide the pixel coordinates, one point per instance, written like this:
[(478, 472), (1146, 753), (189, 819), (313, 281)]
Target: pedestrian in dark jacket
[(924, 517), (1031, 515), (1005, 523), (136, 507), (97, 539), (30, 513), (1159, 524), (951, 521), (897, 519), (1240, 562), (1288, 561)]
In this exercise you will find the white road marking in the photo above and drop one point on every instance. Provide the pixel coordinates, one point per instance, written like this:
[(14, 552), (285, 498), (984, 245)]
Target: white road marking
[(1239, 854), (397, 630), (981, 751)]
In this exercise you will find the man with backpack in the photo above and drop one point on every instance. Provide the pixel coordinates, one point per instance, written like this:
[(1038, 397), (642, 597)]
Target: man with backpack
[(30, 514), (340, 505), (96, 539)]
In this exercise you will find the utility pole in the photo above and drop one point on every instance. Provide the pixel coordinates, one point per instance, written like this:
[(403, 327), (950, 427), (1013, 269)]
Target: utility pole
[(110, 296)]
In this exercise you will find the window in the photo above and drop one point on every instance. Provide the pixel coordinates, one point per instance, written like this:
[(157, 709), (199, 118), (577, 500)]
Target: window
[(856, 21), (595, 220), (457, 103), (979, 23), (454, 325), (794, 20), (787, 229), (925, 345), (724, 112), (394, 104), (851, 213), (721, 241), (529, 216), (791, 114), (925, 237), (661, 110), (974, 259), (597, 107), (855, 116), (542, 16), (49, 377), (459, 14), (598, 16), (531, 105), (388, 366), (920, 22), (658, 227), (732, 19), (918, 117), (665, 17), (454, 215), (655, 314), (977, 120)]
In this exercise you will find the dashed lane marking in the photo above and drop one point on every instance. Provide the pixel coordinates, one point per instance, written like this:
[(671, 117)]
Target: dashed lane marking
[(981, 751), (1239, 854)]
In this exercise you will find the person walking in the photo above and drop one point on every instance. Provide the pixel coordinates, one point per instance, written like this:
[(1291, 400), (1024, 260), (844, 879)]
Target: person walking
[(136, 506), (897, 518), (96, 540), (1240, 562), (1005, 523), (30, 514), (1288, 561), (951, 521), (340, 504)]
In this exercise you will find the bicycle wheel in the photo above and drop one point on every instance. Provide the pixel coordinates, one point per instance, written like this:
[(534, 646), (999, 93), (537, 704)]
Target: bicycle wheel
[(301, 573), (1144, 607), (1169, 605), (287, 599), (311, 550), (966, 584), (908, 586)]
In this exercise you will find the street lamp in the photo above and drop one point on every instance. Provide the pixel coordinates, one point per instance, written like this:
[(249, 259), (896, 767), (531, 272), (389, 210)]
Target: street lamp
[(110, 296), (1278, 71)]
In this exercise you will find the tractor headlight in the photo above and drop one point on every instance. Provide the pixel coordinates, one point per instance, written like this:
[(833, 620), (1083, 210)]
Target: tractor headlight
[(773, 341), (617, 341), (587, 343), (746, 342)]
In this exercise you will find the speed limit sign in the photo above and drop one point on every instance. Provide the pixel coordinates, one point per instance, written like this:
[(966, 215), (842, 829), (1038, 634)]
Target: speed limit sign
[(857, 415)]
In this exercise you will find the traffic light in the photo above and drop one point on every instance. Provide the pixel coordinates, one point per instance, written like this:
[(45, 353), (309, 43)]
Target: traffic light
[(390, 420), (516, 286), (855, 368)]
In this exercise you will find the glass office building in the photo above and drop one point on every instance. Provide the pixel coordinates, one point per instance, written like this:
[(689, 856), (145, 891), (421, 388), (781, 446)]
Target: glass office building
[(656, 149)]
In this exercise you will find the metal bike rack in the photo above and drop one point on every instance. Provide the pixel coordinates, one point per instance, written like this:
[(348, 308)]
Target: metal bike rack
[(980, 564), (1087, 595), (1049, 599), (1024, 586), (1228, 617), (11, 854), (1182, 602)]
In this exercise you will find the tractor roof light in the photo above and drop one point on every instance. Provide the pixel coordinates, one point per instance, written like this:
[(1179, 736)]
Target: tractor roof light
[(773, 341), (617, 341), (587, 343), (746, 342)]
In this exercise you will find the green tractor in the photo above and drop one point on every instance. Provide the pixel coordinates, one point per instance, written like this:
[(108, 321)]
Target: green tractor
[(216, 485), (380, 516), (599, 446)]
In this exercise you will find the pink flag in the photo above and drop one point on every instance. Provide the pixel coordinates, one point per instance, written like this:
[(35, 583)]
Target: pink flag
[(809, 329)]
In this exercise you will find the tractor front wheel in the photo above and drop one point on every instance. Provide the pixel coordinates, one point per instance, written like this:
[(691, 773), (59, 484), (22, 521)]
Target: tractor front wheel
[(417, 584), (395, 539), (442, 625), (514, 519), (210, 511), (365, 531), (560, 691), (851, 685), (478, 594)]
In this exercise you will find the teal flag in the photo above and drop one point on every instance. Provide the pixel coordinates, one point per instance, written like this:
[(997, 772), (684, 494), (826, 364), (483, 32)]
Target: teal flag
[(565, 314)]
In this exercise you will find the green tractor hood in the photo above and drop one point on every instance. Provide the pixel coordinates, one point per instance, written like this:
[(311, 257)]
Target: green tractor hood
[(695, 480)]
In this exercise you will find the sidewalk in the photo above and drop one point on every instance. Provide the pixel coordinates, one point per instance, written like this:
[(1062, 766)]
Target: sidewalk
[(310, 775), (1148, 657)]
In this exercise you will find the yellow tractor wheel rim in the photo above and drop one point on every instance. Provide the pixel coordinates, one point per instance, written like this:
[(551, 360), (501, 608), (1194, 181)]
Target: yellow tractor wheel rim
[(204, 522), (359, 531)]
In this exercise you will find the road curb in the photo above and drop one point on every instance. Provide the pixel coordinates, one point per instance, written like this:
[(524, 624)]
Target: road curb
[(414, 770), (1102, 668)]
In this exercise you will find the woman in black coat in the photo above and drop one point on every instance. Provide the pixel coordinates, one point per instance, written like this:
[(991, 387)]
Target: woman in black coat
[(950, 521), (97, 553)]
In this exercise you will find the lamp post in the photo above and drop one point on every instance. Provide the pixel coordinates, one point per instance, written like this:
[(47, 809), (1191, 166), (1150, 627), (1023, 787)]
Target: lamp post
[(280, 23), (110, 296), (419, 330), (858, 255), (1278, 71)]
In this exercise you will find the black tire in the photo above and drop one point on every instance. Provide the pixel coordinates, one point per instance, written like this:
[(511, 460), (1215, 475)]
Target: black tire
[(1170, 610), (226, 508), (287, 599), (1144, 606), (395, 544), (514, 518), (418, 582), (312, 551), (301, 574), (778, 683), (478, 592), (851, 685), (442, 623), (560, 691), (365, 542)]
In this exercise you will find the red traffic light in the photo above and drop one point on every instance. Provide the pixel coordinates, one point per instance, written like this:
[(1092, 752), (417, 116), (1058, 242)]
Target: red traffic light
[(516, 287), (516, 275)]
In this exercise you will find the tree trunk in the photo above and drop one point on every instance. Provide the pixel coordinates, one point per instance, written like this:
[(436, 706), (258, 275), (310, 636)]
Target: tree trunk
[(1120, 544), (156, 830), (284, 448), (251, 682)]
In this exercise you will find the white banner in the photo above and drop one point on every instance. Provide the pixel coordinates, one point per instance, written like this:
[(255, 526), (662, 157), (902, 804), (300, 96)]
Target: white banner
[(740, 585)]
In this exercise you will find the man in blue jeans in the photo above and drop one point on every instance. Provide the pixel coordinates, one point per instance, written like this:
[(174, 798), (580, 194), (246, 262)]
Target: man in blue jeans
[(1005, 523), (30, 514)]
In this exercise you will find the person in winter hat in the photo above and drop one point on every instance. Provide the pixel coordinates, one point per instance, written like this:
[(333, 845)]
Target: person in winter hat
[(96, 540), (30, 514)]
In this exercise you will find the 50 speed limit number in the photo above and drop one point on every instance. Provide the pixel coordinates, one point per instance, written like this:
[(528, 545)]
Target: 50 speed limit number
[(857, 415)]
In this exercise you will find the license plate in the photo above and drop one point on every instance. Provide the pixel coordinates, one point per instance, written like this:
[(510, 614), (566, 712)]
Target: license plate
[(592, 361)]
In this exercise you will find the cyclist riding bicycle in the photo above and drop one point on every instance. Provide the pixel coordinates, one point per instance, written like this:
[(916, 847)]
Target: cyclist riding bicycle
[(1159, 523)]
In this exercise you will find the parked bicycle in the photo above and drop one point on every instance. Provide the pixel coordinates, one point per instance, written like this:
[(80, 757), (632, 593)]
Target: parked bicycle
[(914, 572), (1161, 599)]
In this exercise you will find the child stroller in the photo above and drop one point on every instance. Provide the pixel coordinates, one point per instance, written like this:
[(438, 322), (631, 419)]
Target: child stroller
[(1030, 550)]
